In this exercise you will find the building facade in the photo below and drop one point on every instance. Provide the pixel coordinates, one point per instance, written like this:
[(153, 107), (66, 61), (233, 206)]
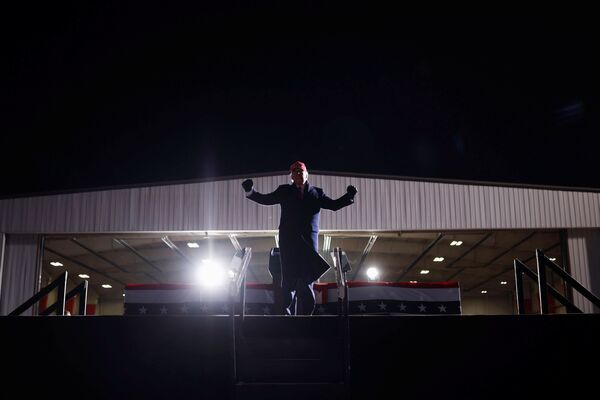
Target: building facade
[(383, 204)]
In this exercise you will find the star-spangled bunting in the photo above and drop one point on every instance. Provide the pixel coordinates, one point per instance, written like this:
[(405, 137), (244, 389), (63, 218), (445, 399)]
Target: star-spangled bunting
[(390, 304)]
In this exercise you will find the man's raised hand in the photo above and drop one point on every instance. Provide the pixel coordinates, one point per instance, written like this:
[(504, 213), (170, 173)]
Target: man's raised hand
[(247, 185), (351, 190)]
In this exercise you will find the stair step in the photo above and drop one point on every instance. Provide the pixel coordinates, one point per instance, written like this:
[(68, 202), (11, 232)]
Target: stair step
[(289, 369), (288, 348), (290, 390), (314, 327)]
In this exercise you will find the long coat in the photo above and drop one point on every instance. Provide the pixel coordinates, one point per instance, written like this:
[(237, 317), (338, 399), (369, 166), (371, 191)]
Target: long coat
[(299, 227)]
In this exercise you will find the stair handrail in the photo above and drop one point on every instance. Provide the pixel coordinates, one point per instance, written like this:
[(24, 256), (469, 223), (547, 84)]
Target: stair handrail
[(61, 283), (520, 269), (239, 275), (542, 263), (81, 290), (237, 285), (343, 312), (341, 279)]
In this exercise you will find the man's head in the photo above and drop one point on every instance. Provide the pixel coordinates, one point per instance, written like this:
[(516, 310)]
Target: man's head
[(299, 173)]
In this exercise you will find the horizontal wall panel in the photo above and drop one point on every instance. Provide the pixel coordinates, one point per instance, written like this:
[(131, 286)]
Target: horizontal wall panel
[(381, 204)]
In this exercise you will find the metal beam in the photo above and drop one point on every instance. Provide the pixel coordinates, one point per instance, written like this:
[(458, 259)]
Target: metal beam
[(137, 253), (74, 261), (547, 249), (100, 256), (508, 269), (511, 248), (235, 242), (479, 242), (423, 254), (176, 249), (483, 239), (526, 238), (365, 253)]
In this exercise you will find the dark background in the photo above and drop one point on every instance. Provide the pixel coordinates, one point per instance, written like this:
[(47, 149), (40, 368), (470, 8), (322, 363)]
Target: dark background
[(105, 94)]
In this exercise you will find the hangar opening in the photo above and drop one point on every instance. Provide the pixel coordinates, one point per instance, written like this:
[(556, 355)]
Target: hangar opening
[(481, 262)]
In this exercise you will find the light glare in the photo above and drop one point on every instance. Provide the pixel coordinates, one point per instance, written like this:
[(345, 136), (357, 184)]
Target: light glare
[(210, 274), (372, 273)]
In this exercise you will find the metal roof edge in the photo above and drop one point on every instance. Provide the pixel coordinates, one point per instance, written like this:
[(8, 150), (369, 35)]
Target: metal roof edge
[(312, 172)]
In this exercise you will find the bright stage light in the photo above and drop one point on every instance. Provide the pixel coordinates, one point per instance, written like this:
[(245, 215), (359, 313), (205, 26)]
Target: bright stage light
[(372, 273), (210, 274)]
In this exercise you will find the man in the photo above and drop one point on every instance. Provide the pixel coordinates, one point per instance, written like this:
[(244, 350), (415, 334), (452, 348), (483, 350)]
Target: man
[(301, 205)]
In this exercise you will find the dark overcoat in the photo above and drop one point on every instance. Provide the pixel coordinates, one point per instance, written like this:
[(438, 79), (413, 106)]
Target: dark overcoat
[(299, 227)]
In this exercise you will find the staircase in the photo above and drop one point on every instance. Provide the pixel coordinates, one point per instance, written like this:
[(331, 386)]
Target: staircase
[(299, 359)]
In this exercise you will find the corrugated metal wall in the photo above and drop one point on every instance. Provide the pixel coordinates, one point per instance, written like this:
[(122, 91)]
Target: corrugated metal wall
[(20, 272), (584, 259), (382, 204)]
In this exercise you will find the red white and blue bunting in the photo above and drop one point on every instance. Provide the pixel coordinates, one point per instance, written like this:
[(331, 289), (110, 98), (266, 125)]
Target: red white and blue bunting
[(383, 298)]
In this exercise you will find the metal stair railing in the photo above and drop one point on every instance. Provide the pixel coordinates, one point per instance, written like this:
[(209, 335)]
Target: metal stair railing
[(542, 263), (544, 288), (520, 269), (237, 289), (81, 291), (59, 283), (341, 271)]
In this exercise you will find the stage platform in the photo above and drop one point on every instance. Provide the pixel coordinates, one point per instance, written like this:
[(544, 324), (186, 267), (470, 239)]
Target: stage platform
[(412, 357)]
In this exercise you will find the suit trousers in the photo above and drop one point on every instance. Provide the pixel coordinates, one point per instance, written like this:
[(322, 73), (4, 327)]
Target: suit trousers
[(298, 296)]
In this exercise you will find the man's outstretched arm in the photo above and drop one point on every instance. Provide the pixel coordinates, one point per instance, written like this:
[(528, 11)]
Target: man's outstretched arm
[(264, 199), (347, 199)]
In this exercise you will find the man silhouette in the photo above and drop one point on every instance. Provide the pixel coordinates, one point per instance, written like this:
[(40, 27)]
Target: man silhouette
[(301, 205)]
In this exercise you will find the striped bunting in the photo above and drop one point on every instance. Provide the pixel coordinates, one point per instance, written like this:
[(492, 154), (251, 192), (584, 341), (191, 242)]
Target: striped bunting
[(365, 298)]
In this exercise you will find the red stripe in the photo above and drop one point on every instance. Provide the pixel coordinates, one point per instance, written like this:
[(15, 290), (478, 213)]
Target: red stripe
[(160, 286), (175, 286), (353, 284), (264, 286)]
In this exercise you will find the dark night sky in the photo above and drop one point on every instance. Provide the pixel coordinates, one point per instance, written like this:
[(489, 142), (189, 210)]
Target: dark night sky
[(109, 95)]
